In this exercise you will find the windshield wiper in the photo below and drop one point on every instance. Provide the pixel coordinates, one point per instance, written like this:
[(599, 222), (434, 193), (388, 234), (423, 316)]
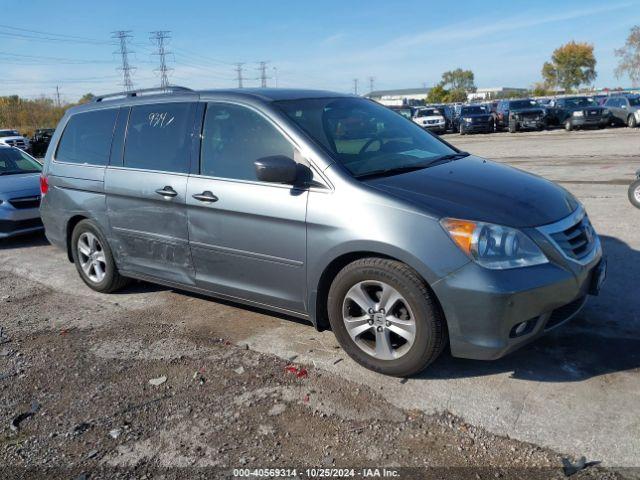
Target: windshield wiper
[(16, 172), (392, 170), (410, 168)]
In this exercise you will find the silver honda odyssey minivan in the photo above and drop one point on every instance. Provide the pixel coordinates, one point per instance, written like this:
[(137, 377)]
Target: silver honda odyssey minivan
[(324, 206)]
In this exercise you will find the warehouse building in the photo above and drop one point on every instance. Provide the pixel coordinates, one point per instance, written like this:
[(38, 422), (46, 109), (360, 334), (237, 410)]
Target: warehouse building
[(403, 96)]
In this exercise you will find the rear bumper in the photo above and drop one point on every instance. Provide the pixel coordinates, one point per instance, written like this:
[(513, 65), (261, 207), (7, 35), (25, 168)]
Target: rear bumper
[(483, 307)]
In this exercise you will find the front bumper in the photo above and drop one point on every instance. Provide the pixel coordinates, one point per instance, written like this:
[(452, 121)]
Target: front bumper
[(19, 222), (533, 124), (476, 127), (595, 121), (483, 306)]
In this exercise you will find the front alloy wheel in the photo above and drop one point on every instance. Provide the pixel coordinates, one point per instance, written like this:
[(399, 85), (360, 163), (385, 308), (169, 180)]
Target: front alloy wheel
[(385, 316), (379, 320)]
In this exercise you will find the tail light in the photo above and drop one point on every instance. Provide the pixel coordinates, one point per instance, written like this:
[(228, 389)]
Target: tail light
[(44, 185)]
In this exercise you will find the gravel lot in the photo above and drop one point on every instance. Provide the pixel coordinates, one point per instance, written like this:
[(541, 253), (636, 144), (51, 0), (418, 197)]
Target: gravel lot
[(246, 389)]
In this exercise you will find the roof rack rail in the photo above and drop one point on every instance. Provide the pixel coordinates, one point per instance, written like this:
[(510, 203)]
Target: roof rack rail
[(135, 93)]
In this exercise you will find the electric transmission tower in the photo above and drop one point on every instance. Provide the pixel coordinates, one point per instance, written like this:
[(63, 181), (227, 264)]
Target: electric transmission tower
[(123, 36), (371, 82), (239, 74), (263, 74), (161, 38), (355, 86)]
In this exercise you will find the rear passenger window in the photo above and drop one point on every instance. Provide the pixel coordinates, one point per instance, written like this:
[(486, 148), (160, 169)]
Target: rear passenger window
[(87, 138), (234, 137), (158, 137)]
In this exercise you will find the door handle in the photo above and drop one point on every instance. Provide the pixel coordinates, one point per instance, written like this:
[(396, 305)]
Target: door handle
[(205, 196), (167, 191)]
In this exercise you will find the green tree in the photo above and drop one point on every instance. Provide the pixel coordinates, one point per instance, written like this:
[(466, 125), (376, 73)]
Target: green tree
[(540, 90), (571, 65), (86, 98), (458, 79), (629, 63), (437, 94), (456, 95)]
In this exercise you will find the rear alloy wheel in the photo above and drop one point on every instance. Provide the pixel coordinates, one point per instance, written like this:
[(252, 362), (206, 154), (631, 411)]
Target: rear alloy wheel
[(634, 193), (632, 122), (93, 259), (385, 318)]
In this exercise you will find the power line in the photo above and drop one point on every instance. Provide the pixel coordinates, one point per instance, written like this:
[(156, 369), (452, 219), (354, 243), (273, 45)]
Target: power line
[(50, 35), (239, 74), (123, 37), (160, 36)]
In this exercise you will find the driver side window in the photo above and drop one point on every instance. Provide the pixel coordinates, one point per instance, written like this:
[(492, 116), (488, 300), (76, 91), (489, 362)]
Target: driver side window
[(234, 137)]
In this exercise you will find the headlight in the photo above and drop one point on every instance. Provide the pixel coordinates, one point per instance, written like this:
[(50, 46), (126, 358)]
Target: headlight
[(605, 112), (637, 114), (467, 119), (578, 113), (493, 246)]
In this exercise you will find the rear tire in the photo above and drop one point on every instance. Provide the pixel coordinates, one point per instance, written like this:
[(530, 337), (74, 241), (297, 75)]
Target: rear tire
[(399, 341), (634, 193), (94, 260)]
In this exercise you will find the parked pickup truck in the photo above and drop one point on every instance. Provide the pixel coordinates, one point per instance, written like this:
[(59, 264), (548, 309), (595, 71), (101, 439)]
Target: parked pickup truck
[(13, 139), (430, 119), (40, 141), (577, 112), (519, 114)]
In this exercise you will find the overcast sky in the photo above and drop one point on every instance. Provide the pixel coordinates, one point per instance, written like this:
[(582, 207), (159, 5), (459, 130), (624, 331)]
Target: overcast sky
[(323, 44)]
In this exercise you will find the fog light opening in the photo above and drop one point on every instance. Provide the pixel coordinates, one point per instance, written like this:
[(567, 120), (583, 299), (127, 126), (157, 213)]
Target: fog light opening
[(522, 328)]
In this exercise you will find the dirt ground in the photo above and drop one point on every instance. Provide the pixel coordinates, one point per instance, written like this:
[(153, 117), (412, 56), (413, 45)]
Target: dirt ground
[(91, 411)]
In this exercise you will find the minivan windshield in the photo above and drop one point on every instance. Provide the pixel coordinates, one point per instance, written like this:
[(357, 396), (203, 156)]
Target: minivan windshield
[(634, 101), (14, 161), (368, 139), (9, 133)]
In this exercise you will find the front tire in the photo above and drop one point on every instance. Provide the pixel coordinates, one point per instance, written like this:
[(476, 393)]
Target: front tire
[(568, 125), (385, 317), (634, 193), (632, 122), (461, 129), (94, 260)]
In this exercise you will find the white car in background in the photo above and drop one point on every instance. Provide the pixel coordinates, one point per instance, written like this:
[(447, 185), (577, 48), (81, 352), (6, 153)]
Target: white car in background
[(12, 138), (431, 119)]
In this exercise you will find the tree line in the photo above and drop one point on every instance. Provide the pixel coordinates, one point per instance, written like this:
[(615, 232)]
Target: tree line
[(27, 115), (571, 66)]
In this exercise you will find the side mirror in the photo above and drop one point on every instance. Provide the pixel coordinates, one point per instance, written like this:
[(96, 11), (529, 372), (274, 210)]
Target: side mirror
[(276, 169)]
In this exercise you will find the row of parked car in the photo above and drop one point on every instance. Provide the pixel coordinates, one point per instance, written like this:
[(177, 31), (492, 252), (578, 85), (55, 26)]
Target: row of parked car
[(36, 145), (527, 114)]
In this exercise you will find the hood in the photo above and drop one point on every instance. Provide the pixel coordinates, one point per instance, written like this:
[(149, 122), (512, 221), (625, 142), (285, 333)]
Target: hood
[(26, 183), (476, 189), (527, 110), (475, 115), (4, 139), (430, 117)]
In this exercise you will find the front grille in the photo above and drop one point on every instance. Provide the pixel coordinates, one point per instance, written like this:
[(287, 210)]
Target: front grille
[(592, 112), (7, 226), (563, 313), (578, 240), (26, 202)]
